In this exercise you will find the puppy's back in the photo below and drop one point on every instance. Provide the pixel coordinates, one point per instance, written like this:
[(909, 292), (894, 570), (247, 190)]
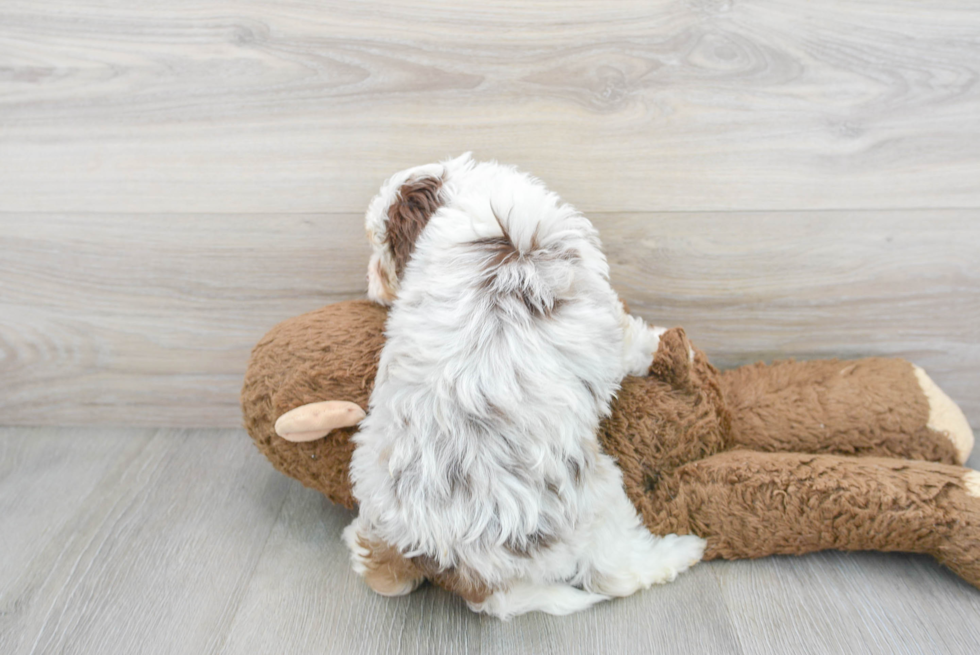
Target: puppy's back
[(502, 355)]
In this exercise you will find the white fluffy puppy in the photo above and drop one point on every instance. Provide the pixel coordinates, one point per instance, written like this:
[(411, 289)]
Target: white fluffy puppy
[(477, 464)]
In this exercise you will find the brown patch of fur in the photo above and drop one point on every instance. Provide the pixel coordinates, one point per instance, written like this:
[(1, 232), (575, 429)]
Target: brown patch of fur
[(387, 570), (499, 249), (500, 252), (466, 584), (531, 544), (408, 215)]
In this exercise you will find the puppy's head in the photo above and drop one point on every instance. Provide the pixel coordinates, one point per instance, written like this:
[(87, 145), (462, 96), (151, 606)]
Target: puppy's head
[(395, 220)]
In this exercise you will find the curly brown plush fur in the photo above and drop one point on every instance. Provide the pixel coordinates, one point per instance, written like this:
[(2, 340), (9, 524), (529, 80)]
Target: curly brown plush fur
[(331, 353), (788, 458)]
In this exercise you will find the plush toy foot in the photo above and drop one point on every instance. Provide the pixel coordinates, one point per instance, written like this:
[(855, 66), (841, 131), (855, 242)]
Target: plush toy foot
[(962, 552), (946, 417), (316, 420)]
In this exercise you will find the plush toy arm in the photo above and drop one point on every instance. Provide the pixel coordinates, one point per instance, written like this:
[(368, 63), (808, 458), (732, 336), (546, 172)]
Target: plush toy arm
[(749, 504), (640, 344), (880, 407), (315, 420)]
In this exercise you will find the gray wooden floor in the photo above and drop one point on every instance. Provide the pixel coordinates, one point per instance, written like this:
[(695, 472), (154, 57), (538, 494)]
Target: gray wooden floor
[(186, 541)]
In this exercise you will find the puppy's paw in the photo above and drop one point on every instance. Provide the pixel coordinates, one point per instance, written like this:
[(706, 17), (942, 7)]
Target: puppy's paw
[(381, 565), (640, 343), (672, 554)]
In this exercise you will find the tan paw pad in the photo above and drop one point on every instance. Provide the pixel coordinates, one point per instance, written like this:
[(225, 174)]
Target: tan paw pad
[(971, 480), (946, 417)]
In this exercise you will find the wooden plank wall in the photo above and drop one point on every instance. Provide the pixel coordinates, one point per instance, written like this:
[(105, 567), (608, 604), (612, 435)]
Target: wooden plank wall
[(782, 178)]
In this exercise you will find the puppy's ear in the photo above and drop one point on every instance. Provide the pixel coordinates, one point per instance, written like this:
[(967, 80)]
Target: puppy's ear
[(408, 215)]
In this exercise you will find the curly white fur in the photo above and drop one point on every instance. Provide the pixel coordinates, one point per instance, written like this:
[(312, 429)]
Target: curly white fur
[(505, 346)]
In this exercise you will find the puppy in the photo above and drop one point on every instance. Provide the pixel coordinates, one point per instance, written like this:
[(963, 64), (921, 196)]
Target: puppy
[(477, 465)]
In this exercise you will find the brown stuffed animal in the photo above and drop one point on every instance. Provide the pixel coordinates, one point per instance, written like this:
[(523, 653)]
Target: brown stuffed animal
[(789, 458)]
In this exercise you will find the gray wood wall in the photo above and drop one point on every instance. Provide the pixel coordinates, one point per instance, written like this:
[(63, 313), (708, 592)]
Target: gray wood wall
[(784, 178)]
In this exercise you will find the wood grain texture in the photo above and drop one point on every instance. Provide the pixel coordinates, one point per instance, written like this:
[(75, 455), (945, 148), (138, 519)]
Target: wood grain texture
[(150, 321), (187, 541), (157, 547), (46, 479), (750, 287), (293, 106), (833, 602)]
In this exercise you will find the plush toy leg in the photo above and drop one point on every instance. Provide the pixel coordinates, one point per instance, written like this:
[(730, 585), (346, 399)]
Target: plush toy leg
[(882, 407), (749, 504)]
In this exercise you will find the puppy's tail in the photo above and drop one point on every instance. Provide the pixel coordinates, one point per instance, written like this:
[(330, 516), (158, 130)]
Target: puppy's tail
[(530, 267)]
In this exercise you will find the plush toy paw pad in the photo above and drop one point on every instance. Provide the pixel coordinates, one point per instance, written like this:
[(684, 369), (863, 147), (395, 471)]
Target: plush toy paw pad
[(971, 480), (946, 417)]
